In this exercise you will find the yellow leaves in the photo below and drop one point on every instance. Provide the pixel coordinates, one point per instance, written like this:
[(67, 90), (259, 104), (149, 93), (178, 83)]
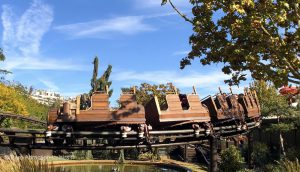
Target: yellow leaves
[(11, 101), (256, 23), (238, 8), (236, 26), (282, 17), (248, 3)]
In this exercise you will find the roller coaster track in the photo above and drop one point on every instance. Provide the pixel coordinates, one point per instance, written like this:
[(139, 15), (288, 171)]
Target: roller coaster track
[(37, 139), (5, 115)]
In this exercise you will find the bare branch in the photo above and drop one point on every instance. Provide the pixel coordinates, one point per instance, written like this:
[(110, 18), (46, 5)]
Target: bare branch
[(181, 14)]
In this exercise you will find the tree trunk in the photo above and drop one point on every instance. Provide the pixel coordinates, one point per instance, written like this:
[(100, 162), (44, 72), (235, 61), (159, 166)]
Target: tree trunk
[(282, 150), (282, 144)]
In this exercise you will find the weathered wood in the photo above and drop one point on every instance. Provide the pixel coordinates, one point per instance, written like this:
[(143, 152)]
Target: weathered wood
[(129, 112), (175, 112)]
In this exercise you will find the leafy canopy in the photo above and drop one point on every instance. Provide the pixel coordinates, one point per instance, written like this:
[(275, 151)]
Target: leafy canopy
[(2, 58), (275, 105), (145, 92), (15, 98), (260, 36)]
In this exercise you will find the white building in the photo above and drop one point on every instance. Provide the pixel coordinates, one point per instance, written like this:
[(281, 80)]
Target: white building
[(46, 97)]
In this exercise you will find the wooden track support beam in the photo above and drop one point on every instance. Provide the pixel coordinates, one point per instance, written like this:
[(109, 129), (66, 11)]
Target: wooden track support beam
[(213, 166)]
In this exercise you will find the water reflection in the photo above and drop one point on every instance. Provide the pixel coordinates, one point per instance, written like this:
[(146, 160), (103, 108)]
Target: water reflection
[(116, 168)]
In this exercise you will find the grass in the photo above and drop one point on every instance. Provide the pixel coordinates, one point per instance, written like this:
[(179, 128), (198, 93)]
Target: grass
[(13, 163)]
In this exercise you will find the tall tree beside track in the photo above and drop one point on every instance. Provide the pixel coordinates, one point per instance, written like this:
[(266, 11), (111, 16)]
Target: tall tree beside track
[(94, 82), (104, 81), (275, 105), (260, 36), (99, 84)]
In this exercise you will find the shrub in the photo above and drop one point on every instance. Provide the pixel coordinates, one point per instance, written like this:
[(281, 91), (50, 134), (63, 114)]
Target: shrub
[(289, 166), (231, 160), (260, 154), (292, 154)]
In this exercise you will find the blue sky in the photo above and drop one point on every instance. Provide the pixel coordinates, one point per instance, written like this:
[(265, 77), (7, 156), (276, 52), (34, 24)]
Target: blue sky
[(51, 45)]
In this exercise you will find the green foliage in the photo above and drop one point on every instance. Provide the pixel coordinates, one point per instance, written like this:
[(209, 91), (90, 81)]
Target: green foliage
[(260, 154), (275, 105), (103, 81), (15, 98), (2, 58), (148, 156), (81, 155), (247, 35), (231, 160), (292, 154), (94, 83), (290, 166), (284, 165), (99, 84), (145, 92)]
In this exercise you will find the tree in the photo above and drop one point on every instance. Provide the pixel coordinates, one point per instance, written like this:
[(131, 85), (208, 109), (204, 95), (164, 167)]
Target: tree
[(274, 105), (2, 58), (262, 37), (97, 84), (145, 92), (104, 82), (94, 83)]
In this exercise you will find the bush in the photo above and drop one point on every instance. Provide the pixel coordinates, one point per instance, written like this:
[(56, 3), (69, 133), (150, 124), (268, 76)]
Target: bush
[(292, 154), (231, 160), (148, 157), (289, 166), (260, 154)]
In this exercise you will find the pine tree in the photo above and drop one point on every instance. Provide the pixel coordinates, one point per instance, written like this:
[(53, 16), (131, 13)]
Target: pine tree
[(103, 81), (94, 83)]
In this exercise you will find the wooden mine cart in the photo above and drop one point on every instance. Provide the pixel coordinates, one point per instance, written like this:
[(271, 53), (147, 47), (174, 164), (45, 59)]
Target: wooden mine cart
[(177, 113), (99, 113), (223, 107), (250, 103)]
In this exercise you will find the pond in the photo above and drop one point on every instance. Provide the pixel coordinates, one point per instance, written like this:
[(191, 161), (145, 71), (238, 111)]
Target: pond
[(118, 168)]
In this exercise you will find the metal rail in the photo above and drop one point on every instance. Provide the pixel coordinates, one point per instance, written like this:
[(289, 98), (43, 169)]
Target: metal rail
[(36, 139)]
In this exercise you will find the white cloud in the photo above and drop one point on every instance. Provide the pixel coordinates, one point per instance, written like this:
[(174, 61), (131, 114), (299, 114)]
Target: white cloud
[(102, 28), (23, 63), (181, 53), (180, 80), (24, 35), (49, 84), (207, 82)]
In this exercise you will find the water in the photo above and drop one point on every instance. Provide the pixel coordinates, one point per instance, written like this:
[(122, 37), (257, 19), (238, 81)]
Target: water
[(117, 168)]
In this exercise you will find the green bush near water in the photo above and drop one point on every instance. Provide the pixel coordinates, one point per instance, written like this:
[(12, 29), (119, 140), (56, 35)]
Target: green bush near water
[(231, 160)]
